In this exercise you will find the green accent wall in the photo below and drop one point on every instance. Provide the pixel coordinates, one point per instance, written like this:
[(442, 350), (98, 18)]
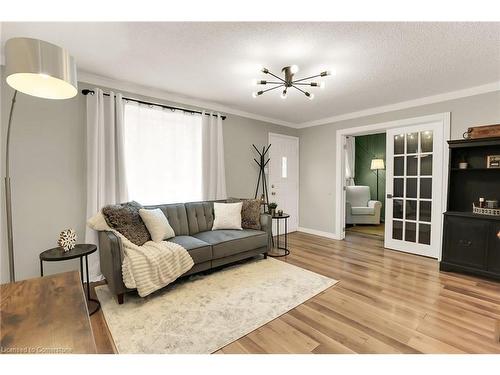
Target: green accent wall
[(370, 147)]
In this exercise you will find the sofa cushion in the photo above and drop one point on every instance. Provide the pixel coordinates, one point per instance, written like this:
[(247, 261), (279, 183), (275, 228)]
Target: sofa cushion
[(358, 196), (363, 211), (227, 216), (199, 250), (228, 242), (125, 219), (250, 212), (157, 224), (200, 216), (177, 217)]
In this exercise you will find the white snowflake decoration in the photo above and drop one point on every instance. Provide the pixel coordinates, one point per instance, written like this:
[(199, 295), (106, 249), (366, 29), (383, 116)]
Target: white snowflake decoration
[(67, 239)]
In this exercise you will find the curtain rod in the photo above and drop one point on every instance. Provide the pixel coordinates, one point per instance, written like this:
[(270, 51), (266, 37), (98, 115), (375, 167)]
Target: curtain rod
[(92, 92)]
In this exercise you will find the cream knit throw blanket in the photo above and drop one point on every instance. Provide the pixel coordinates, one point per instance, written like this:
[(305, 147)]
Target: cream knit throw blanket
[(148, 267)]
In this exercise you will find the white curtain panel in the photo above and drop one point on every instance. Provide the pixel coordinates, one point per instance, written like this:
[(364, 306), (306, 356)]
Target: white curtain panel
[(350, 155), (214, 173), (163, 154), (106, 178)]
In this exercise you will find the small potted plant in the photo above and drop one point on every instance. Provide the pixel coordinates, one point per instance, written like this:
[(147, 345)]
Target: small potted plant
[(272, 208)]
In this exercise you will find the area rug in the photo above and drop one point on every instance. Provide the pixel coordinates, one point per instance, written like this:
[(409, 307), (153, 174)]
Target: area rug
[(202, 314)]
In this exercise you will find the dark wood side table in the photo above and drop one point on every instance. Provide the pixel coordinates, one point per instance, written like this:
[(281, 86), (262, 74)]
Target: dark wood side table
[(80, 251), (285, 251), (45, 315)]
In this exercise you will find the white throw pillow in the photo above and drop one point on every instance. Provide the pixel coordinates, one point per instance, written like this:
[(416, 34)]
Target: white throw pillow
[(157, 223), (227, 216)]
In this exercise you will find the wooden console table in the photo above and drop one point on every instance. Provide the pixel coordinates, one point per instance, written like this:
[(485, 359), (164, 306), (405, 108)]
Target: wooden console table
[(45, 315)]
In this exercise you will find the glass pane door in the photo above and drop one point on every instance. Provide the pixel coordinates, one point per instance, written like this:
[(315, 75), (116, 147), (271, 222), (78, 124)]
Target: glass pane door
[(413, 179)]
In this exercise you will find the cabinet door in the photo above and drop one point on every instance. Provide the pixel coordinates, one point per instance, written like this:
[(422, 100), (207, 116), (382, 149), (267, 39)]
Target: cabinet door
[(494, 248), (466, 241)]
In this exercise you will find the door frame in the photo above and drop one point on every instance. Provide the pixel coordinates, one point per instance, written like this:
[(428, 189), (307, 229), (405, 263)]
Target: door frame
[(296, 139), (341, 134)]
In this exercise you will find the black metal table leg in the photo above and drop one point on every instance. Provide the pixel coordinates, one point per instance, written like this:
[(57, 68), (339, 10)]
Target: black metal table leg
[(81, 269), (96, 302), (88, 278), (286, 233), (278, 234), (41, 268), (279, 245)]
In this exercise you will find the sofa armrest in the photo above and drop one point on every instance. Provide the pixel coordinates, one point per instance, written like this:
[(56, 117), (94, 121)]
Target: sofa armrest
[(266, 223), (375, 204), (348, 213), (110, 255)]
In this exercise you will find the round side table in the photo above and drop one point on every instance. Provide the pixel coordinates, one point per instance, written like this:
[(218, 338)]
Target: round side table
[(81, 251), (285, 251)]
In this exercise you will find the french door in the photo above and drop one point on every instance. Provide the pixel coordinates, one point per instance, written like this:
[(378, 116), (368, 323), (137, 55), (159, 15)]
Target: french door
[(284, 177), (414, 181)]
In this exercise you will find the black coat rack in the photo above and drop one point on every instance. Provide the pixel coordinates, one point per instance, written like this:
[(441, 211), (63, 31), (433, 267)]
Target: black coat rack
[(262, 162)]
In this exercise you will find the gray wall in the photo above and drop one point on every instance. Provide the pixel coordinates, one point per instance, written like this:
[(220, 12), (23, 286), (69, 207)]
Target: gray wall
[(48, 166), (48, 178), (317, 150), (48, 172)]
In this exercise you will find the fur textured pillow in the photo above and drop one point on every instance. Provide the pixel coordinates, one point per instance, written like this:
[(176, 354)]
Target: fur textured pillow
[(250, 212), (125, 219)]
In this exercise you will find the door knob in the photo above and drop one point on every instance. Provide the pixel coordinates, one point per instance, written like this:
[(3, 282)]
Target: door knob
[(389, 196), (273, 193)]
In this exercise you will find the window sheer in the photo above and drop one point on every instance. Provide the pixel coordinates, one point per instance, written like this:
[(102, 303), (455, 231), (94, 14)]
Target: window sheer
[(163, 154)]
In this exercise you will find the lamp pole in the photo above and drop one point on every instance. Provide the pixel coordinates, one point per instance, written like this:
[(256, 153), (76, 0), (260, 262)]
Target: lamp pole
[(8, 200)]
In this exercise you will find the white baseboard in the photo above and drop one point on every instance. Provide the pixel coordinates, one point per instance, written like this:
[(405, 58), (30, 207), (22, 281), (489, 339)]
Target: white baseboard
[(331, 235)]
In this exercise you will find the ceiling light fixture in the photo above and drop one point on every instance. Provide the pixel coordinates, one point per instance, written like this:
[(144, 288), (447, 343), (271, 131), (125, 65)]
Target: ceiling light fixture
[(289, 81)]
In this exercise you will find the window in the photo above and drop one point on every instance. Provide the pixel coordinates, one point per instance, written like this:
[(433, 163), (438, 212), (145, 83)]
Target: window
[(284, 168), (163, 154)]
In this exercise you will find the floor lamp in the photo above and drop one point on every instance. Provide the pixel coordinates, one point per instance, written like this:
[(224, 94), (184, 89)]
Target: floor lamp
[(376, 165), (40, 69)]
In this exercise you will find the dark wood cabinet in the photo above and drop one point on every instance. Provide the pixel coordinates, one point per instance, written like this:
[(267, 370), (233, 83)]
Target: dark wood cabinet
[(466, 241), (494, 248), (471, 242)]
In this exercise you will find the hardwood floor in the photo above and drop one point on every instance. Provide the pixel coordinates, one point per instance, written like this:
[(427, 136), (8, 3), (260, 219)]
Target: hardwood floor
[(375, 230), (385, 302)]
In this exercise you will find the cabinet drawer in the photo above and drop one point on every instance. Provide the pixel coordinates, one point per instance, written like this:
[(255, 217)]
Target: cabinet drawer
[(494, 248), (466, 241)]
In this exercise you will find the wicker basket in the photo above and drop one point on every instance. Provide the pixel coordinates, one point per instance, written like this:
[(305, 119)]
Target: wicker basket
[(485, 211)]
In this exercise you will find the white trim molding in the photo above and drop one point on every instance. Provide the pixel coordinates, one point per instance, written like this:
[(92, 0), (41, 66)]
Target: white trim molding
[(138, 89), (331, 235), (471, 91), (134, 88)]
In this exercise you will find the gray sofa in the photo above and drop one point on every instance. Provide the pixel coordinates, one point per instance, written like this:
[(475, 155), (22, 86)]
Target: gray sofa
[(192, 224)]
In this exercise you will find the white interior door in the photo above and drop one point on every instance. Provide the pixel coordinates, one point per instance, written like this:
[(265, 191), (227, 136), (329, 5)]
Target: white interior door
[(414, 179), (283, 182)]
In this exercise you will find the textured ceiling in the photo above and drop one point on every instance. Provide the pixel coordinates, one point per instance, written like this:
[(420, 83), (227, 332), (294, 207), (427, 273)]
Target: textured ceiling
[(376, 64)]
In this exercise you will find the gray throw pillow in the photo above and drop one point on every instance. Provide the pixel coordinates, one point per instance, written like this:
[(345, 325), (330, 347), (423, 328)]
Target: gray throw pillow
[(125, 219), (250, 212)]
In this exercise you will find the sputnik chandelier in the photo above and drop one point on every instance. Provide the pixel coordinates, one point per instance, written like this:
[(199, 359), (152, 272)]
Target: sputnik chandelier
[(289, 81)]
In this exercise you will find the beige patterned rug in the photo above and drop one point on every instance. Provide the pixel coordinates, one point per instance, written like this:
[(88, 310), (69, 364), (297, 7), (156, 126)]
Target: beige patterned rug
[(202, 314)]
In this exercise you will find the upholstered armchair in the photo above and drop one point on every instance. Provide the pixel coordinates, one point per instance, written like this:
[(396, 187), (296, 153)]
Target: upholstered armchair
[(359, 208)]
